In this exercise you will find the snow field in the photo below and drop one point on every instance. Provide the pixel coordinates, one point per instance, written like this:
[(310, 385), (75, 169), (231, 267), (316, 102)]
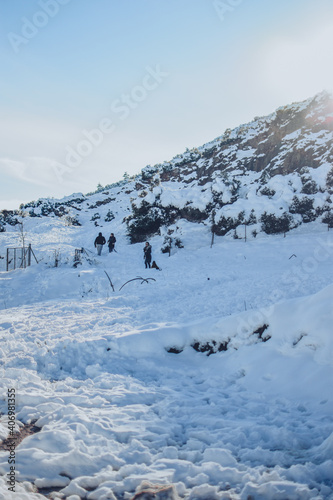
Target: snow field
[(116, 409)]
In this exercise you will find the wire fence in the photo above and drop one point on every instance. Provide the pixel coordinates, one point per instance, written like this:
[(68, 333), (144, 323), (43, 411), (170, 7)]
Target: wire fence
[(19, 257)]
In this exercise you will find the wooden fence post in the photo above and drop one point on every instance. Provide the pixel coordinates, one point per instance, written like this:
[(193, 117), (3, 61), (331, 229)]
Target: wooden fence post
[(29, 254), (19, 256), (212, 241)]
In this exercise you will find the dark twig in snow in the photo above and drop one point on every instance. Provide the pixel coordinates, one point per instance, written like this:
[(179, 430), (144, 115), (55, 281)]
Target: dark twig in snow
[(143, 280), (109, 280)]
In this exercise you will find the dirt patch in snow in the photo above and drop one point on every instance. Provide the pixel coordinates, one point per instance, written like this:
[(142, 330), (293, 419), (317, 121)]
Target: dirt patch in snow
[(25, 431)]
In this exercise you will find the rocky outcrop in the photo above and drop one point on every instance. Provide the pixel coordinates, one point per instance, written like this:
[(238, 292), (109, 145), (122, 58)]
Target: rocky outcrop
[(243, 168)]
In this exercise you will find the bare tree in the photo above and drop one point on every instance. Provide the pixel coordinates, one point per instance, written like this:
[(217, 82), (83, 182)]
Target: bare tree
[(22, 237), (21, 233)]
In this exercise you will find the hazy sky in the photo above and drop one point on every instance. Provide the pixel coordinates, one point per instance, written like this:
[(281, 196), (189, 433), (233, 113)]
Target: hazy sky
[(90, 89)]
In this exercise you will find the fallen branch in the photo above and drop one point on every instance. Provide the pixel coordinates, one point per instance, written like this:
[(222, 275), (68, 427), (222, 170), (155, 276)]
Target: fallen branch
[(109, 280), (143, 280)]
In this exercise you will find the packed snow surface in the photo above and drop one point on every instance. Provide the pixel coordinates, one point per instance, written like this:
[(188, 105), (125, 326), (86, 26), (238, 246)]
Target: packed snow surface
[(215, 376)]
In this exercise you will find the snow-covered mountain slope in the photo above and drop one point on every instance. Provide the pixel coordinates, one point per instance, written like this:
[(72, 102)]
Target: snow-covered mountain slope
[(271, 175)]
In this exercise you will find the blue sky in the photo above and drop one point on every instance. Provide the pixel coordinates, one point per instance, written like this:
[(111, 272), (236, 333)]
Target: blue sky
[(93, 88)]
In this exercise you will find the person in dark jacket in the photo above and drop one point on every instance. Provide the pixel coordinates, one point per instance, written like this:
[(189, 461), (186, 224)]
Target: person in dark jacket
[(147, 254), (99, 242), (111, 242)]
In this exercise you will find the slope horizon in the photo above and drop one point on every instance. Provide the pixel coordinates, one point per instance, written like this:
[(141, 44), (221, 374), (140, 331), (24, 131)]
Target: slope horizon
[(322, 93)]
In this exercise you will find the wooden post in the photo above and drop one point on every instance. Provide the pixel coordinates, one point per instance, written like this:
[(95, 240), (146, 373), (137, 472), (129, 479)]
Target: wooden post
[(7, 260), (212, 242), (33, 253), (29, 254), (213, 228), (245, 232), (14, 258), (23, 260), (77, 257)]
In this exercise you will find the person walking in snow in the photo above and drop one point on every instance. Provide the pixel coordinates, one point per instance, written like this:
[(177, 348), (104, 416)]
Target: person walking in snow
[(111, 242), (99, 242), (147, 254)]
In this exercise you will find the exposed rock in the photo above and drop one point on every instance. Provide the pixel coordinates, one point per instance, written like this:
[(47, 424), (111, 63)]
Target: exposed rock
[(148, 491)]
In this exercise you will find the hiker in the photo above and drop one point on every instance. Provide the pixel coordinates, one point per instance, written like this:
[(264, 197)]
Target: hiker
[(99, 242), (111, 242), (147, 254)]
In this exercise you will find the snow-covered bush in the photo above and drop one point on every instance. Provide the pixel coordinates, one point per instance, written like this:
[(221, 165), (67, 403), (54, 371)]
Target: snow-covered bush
[(329, 181), (271, 224), (167, 243), (72, 220), (226, 224), (310, 187), (146, 220), (109, 216), (252, 219), (266, 191), (95, 218), (102, 202), (33, 214), (304, 207), (9, 217), (328, 218), (179, 243), (193, 214), (148, 172)]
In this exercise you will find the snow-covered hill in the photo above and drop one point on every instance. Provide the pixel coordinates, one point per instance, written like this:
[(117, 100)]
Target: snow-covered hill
[(208, 379), (270, 175)]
